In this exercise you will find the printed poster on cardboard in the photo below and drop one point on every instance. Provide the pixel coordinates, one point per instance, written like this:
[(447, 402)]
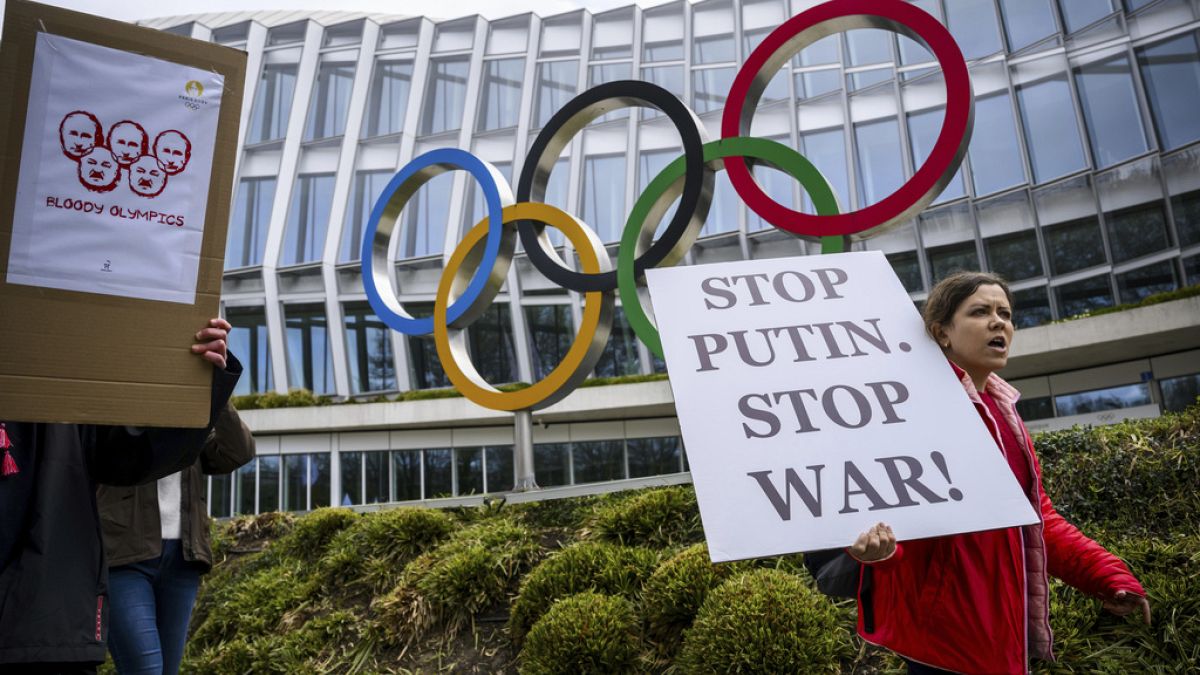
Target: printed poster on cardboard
[(115, 169)]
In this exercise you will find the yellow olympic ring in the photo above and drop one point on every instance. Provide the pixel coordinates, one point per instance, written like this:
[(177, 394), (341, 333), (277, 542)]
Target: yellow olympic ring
[(580, 359)]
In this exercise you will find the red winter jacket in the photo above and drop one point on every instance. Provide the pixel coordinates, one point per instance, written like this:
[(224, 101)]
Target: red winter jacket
[(978, 602)]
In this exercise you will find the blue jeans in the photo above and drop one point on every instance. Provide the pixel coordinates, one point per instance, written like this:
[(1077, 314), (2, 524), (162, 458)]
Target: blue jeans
[(150, 603)]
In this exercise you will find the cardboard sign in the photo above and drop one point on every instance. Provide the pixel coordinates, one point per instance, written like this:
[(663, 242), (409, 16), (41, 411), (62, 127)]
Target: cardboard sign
[(114, 172), (119, 146), (813, 406)]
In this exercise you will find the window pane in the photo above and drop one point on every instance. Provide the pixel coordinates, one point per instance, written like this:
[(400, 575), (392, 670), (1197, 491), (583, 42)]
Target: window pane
[(1145, 281), (1035, 408), (604, 195), (499, 468), (1171, 73), (1080, 13), (823, 51), (249, 343), (620, 356), (319, 477), (611, 35), (390, 87), (246, 475), (654, 456), (268, 484), (1074, 245), (445, 95), (923, 130), (1180, 392), (438, 474), (598, 461), (995, 154), (222, 493), (555, 86), (1191, 270), (1014, 256), (1111, 111), (723, 211), (551, 464), (310, 362), (827, 151), (867, 46), (1032, 307), (1112, 398), (908, 268), (406, 466), (400, 34), (490, 340), (561, 35), (476, 202), (369, 350), (550, 334), (946, 260), (272, 103), (880, 168), (1027, 21), (248, 222), (428, 213), (308, 219), (1051, 134), (427, 370), (1083, 296), (351, 493), (368, 186), (667, 77), (710, 87), (330, 101), (376, 468), (777, 185), (295, 484), (1137, 231), (712, 33), (1182, 171), (501, 99), (662, 34), (469, 463), (610, 72), (817, 82), (974, 26)]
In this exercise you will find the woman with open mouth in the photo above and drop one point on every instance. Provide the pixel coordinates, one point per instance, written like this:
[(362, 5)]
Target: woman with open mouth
[(979, 602)]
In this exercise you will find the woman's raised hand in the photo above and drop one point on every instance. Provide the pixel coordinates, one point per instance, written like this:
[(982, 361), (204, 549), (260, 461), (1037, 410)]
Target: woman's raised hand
[(874, 545)]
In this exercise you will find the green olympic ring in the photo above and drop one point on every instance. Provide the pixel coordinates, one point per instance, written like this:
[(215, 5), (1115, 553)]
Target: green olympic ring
[(654, 201)]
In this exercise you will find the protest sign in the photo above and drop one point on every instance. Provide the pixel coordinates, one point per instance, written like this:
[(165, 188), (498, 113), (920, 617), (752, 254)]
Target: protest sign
[(120, 144), (813, 406)]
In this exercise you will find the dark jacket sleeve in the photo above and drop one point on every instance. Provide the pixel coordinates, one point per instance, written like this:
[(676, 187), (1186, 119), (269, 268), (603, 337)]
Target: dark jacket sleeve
[(122, 456), (230, 444)]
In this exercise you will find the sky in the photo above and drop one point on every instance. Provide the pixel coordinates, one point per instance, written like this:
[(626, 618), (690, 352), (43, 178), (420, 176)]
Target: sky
[(132, 10)]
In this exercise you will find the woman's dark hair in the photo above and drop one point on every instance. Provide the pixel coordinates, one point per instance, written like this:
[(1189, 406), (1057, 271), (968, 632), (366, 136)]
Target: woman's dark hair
[(950, 292)]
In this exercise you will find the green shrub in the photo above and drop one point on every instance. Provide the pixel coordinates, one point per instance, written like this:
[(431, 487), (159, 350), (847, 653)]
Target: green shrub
[(764, 621), (475, 570), (583, 633), (376, 547), (253, 603), (674, 593), (311, 534), (587, 566), (655, 517), (1134, 476)]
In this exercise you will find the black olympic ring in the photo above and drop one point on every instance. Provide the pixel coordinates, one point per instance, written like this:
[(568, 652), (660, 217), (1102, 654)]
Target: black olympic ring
[(570, 120)]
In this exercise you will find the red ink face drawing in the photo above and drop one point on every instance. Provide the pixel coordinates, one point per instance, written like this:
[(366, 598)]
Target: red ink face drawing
[(128, 141), (174, 150), (147, 177), (79, 132), (98, 170)]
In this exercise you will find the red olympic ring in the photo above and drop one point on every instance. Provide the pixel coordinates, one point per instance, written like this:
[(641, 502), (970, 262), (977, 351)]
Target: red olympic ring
[(802, 30)]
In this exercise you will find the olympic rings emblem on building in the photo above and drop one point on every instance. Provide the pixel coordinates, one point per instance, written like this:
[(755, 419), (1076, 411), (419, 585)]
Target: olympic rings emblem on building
[(479, 265)]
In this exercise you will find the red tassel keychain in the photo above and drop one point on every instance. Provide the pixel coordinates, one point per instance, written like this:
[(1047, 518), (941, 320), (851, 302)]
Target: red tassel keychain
[(10, 465)]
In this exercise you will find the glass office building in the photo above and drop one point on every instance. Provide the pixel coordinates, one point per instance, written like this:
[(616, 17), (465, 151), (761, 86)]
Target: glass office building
[(1081, 185)]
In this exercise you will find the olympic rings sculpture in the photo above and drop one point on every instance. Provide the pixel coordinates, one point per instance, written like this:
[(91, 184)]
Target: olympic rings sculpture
[(479, 265)]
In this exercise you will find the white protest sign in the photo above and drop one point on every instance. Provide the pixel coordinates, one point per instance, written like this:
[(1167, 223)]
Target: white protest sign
[(813, 406), (115, 170)]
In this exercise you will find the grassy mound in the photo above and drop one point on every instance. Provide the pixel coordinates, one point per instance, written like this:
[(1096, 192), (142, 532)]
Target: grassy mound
[(657, 517), (583, 633), (764, 621)]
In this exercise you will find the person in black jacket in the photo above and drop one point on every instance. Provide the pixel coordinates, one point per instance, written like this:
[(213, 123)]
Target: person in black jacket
[(53, 576)]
